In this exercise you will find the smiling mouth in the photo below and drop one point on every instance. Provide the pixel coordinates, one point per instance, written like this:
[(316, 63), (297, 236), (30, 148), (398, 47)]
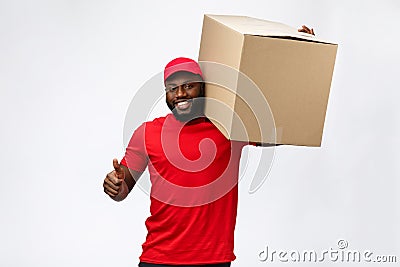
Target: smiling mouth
[(183, 105)]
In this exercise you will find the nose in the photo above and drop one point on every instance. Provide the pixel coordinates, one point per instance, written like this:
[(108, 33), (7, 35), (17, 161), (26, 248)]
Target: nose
[(180, 92)]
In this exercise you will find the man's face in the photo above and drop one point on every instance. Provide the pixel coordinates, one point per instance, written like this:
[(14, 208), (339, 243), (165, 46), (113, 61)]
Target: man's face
[(185, 95)]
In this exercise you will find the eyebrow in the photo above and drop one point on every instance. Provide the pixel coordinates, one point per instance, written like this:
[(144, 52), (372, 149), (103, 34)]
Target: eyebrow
[(185, 82)]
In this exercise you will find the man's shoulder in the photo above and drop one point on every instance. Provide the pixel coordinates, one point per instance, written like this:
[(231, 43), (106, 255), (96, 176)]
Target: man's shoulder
[(156, 123), (159, 121)]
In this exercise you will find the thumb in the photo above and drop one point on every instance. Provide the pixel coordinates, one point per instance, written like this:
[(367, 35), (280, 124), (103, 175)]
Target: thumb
[(118, 169)]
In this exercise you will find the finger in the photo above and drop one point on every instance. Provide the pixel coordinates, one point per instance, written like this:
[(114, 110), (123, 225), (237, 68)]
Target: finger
[(116, 165), (301, 30), (110, 184), (109, 191), (312, 32), (119, 170), (113, 178), (306, 29)]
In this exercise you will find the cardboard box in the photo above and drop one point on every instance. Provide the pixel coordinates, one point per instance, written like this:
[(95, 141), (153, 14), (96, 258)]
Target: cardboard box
[(292, 75)]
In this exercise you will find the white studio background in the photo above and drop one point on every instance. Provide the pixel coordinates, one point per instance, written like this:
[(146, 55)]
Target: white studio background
[(68, 71)]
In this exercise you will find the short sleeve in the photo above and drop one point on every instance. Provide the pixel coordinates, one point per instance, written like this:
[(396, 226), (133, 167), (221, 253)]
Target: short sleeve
[(135, 154)]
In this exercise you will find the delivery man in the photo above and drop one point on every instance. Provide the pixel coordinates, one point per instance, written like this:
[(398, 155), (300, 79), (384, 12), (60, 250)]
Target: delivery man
[(193, 171)]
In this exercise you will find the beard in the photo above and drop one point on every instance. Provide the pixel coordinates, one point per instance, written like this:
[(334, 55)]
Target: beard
[(196, 110)]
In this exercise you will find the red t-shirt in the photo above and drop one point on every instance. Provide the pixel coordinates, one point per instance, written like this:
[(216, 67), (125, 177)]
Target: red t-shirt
[(194, 174)]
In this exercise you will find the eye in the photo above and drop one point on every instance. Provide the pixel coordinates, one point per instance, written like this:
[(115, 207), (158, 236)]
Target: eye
[(187, 86), (171, 89)]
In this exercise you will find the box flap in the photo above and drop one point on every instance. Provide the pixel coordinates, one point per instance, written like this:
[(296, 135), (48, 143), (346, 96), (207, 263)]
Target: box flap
[(253, 26)]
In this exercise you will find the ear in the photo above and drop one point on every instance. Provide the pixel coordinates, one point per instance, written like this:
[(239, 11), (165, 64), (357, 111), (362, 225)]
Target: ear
[(202, 88)]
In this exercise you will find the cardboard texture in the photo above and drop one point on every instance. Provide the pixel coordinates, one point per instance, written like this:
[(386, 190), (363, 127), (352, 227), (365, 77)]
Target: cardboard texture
[(292, 75)]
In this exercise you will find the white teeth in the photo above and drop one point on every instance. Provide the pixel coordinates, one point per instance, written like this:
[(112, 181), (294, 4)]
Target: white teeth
[(182, 103)]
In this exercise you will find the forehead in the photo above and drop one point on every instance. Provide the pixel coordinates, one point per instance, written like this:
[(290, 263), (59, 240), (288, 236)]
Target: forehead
[(182, 77)]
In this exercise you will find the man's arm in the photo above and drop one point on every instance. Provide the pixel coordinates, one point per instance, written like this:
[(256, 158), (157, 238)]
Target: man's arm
[(120, 181)]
